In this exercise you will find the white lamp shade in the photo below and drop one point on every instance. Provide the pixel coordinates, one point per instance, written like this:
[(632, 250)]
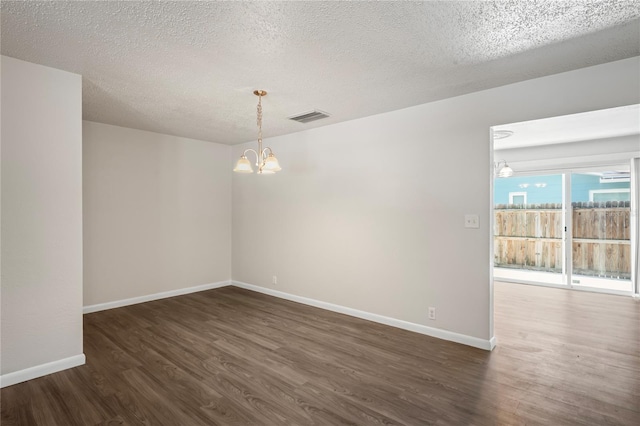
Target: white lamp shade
[(271, 164), (243, 165), (506, 171)]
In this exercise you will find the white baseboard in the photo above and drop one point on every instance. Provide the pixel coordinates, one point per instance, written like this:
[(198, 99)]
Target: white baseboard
[(41, 370), (492, 343), (156, 296), (418, 328), (74, 361)]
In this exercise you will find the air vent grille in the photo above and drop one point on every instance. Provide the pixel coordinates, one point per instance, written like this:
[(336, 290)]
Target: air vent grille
[(307, 117)]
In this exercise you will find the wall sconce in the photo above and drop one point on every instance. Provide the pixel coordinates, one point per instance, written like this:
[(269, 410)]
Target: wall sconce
[(504, 171)]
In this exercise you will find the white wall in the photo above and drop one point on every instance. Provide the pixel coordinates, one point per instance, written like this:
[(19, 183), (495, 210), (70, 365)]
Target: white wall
[(41, 220), (368, 214), (157, 213)]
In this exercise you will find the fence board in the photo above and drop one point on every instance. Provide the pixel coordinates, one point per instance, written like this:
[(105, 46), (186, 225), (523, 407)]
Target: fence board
[(609, 258), (602, 224), (532, 239), (528, 223), (528, 253)]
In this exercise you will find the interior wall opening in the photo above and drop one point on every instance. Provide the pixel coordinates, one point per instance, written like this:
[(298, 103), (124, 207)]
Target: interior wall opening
[(564, 201)]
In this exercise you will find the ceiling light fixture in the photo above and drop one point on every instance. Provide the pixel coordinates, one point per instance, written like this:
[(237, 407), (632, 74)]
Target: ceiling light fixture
[(266, 162), (504, 172)]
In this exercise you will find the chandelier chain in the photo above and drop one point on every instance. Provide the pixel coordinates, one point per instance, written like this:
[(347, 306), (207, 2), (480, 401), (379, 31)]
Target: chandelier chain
[(259, 120)]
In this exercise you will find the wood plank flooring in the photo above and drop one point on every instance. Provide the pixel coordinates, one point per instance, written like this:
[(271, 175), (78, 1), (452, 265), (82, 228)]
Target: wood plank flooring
[(234, 357)]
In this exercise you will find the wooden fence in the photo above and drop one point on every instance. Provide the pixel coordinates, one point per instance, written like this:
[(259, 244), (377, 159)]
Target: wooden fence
[(531, 238)]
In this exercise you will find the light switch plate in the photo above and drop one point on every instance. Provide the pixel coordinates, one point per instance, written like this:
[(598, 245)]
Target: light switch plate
[(471, 221)]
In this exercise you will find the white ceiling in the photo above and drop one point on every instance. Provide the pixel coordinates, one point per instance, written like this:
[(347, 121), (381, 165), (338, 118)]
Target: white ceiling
[(189, 68), (601, 124)]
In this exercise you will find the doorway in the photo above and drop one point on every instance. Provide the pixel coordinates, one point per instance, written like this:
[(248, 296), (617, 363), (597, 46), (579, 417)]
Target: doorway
[(564, 201)]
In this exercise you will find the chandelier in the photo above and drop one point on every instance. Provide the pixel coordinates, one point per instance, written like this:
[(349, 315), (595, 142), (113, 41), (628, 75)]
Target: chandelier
[(266, 162)]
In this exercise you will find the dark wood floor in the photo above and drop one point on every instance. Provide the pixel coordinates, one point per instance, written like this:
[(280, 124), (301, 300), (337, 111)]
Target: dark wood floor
[(231, 356)]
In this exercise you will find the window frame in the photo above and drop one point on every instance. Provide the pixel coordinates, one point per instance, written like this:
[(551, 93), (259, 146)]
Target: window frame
[(592, 192), (518, 194)]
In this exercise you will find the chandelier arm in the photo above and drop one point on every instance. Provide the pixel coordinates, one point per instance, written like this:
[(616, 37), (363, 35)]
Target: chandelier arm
[(244, 154), (264, 152)]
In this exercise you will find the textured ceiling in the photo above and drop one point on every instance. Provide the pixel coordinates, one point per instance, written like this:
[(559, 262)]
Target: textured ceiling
[(189, 68)]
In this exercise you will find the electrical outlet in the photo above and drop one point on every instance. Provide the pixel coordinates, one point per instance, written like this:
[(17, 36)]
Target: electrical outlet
[(432, 313), (274, 280)]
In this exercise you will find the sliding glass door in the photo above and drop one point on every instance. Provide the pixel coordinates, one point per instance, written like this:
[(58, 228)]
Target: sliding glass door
[(601, 231), (570, 229), (529, 229)]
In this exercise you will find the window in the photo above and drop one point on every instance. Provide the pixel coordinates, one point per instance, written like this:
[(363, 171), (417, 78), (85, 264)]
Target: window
[(517, 198), (620, 194)]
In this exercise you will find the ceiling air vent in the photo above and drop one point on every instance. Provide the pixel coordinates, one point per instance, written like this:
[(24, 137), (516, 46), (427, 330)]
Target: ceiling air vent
[(307, 117)]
